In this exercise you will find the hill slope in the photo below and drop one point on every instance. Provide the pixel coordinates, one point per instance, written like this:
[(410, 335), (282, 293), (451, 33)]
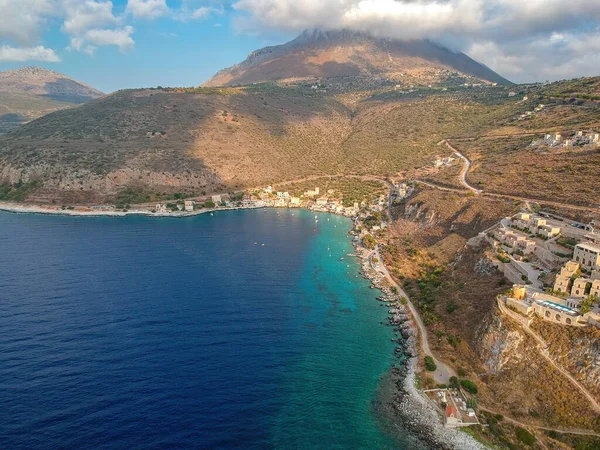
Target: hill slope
[(317, 54), (31, 92), (209, 138)]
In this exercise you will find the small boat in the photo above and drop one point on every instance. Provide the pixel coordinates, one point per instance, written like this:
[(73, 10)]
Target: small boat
[(316, 217), (262, 245), (211, 214), (255, 243), (342, 258)]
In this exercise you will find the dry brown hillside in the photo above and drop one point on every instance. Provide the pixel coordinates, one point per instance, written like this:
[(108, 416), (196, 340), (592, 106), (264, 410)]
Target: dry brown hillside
[(31, 92), (212, 139)]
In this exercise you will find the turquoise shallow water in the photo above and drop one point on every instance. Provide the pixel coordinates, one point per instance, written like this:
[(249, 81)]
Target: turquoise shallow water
[(150, 333)]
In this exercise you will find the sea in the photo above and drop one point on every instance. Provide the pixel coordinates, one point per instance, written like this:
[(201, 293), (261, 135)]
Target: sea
[(247, 329)]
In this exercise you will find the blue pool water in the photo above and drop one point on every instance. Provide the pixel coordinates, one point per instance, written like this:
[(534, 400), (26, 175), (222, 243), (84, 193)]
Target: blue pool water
[(184, 333)]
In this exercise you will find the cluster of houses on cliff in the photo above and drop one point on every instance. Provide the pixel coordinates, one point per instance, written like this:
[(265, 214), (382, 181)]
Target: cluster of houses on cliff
[(557, 140), (555, 269)]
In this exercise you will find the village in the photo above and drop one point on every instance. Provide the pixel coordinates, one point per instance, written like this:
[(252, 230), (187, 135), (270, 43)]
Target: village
[(554, 267), (312, 199), (580, 139)]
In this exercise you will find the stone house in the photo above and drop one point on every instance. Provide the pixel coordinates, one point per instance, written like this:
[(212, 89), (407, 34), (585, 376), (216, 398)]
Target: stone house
[(548, 231), (588, 255), (579, 287)]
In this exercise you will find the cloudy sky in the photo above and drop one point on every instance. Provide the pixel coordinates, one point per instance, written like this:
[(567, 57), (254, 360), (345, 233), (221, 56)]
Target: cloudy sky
[(133, 43)]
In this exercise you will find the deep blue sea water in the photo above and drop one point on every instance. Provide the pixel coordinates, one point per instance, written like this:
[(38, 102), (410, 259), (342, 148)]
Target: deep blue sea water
[(183, 333)]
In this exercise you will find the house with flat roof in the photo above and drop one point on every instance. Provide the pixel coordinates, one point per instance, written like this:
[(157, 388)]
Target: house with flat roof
[(563, 279), (548, 231), (588, 255), (189, 205), (579, 287)]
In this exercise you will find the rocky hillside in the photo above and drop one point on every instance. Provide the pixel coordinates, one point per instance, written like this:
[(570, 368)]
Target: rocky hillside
[(243, 136), (346, 54), (31, 92), (431, 250)]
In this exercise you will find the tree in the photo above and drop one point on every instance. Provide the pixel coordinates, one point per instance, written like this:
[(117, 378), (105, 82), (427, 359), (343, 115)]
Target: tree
[(525, 436), (469, 386), (369, 241), (430, 364), (588, 303), (454, 382)]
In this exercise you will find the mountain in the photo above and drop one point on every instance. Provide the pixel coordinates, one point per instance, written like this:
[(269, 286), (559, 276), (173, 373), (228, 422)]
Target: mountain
[(335, 54), (31, 92), (210, 139)]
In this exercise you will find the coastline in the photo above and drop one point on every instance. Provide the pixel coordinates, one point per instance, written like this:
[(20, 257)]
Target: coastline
[(21, 208), (407, 408)]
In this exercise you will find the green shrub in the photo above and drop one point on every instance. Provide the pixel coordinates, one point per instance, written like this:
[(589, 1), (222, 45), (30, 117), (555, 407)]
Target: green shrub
[(525, 436), (454, 382), (430, 364), (469, 386)]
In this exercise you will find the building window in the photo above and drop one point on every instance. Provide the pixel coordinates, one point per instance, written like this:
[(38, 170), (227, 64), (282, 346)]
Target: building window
[(558, 317), (548, 314), (568, 321)]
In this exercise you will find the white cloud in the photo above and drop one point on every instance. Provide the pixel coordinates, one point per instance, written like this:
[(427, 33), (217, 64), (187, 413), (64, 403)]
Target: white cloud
[(147, 9), (83, 15), (187, 11), (522, 39), (38, 53), (22, 20), (119, 37)]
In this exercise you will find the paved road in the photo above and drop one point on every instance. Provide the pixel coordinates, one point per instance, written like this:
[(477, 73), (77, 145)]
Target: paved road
[(465, 171), (513, 197), (544, 352), (443, 372)]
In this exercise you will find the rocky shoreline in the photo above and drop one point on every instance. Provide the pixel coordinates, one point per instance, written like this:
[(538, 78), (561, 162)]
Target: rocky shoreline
[(407, 408)]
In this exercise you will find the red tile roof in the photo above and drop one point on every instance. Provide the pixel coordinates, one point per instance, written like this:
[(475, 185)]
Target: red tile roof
[(451, 412)]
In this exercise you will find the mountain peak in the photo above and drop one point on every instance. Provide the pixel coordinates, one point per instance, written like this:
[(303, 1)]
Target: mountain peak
[(318, 53), (41, 81)]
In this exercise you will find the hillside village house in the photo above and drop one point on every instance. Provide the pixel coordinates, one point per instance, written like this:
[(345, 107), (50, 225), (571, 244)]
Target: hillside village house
[(312, 193), (529, 301), (283, 195), (189, 205), (588, 255), (563, 279), (216, 199), (451, 418), (515, 240)]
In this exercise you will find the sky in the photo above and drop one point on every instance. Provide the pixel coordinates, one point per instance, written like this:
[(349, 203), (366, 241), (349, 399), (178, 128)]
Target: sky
[(118, 44)]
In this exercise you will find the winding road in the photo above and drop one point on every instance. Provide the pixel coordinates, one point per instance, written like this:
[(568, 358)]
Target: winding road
[(543, 351), (465, 171), (443, 371), (539, 427)]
